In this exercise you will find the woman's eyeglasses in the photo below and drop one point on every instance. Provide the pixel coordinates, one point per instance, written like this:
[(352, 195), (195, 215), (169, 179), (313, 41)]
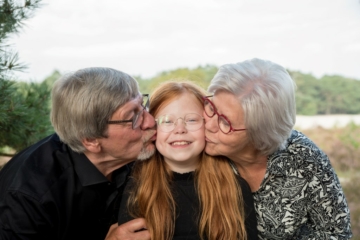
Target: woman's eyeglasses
[(224, 123)]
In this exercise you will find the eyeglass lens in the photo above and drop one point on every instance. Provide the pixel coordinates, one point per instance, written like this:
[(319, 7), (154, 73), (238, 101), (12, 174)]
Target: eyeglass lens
[(210, 111), (145, 101), (137, 120), (139, 117), (192, 122)]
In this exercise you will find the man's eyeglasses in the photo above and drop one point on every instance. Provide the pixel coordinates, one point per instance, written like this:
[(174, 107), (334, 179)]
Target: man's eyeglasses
[(224, 123), (167, 123), (139, 116)]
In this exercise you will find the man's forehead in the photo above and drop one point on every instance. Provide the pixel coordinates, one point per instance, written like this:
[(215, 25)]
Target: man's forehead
[(131, 104)]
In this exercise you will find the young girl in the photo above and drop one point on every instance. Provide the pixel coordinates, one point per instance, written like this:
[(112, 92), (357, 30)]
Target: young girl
[(181, 192)]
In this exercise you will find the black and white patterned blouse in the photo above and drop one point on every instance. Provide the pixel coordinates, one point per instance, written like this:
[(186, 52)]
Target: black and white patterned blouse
[(301, 196)]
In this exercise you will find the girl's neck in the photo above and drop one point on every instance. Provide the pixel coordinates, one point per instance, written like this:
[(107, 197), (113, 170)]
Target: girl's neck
[(183, 166)]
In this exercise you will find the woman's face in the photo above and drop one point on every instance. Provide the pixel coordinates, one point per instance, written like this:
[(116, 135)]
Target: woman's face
[(180, 147), (233, 144)]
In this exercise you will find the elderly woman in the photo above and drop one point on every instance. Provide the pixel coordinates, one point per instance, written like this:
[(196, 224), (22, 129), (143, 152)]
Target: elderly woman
[(250, 120)]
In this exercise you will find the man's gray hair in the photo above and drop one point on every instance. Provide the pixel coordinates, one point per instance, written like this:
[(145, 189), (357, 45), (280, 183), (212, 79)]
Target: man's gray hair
[(83, 102), (266, 93)]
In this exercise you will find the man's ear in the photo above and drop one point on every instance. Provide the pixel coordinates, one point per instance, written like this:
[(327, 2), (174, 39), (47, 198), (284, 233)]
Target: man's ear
[(92, 145)]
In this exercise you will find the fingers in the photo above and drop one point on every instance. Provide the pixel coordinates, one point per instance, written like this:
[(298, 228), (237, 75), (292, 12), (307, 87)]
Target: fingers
[(132, 230), (135, 225)]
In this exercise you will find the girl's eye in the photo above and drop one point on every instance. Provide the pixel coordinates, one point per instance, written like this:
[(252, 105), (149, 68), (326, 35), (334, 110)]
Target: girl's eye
[(192, 120), (168, 121)]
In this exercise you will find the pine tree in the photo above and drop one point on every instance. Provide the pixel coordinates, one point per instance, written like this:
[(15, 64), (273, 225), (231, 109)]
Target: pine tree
[(22, 106)]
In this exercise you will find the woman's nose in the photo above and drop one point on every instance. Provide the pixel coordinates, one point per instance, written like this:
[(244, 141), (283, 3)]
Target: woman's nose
[(211, 123)]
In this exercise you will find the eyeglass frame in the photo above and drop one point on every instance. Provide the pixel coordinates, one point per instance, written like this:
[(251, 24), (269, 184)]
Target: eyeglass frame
[(176, 120), (206, 98), (135, 118)]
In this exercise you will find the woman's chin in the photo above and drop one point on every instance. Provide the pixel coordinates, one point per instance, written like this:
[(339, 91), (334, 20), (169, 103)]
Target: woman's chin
[(210, 150)]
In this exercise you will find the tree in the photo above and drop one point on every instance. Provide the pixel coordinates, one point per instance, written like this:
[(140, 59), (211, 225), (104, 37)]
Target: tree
[(327, 95), (199, 75), (15, 112), (306, 93)]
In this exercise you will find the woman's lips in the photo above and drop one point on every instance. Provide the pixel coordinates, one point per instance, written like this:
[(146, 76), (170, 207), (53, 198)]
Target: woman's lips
[(153, 138), (208, 140)]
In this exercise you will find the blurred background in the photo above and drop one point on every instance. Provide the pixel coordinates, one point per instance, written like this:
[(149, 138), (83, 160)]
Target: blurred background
[(144, 38), (317, 41)]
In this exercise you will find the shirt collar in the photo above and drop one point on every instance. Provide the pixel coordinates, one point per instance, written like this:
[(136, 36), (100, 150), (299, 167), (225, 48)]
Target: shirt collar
[(87, 172), (90, 175)]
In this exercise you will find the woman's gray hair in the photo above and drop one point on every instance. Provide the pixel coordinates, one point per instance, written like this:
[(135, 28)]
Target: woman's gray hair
[(266, 93), (83, 102)]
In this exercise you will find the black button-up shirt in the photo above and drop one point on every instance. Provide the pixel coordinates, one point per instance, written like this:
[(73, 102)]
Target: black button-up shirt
[(47, 191)]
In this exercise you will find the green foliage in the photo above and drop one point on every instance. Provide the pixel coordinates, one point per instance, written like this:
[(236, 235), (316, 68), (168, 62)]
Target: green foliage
[(338, 95), (18, 109), (27, 115), (144, 84), (5, 101), (12, 15), (49, 81), (24, 113), (306, 93), (328, 95), (200, 75)]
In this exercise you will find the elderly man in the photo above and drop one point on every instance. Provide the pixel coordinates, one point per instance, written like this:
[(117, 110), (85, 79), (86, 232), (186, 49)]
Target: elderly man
[(66, 186)]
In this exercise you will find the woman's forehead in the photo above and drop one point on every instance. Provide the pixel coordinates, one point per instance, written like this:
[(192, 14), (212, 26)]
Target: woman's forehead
[(227, 104)]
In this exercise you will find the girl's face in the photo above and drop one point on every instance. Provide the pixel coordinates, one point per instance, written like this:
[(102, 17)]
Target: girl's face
[(180, 147)]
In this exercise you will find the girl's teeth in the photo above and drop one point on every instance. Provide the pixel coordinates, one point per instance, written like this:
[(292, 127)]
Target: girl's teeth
[(180, 143)]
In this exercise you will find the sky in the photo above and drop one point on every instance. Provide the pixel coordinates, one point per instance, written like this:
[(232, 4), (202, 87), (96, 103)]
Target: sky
[(144, 38)]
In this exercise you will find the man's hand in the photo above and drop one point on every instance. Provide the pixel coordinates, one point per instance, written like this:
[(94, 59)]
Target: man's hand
[(132, 230)]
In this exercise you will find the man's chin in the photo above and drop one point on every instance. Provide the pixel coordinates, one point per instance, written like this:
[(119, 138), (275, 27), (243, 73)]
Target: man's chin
[(146, 152)]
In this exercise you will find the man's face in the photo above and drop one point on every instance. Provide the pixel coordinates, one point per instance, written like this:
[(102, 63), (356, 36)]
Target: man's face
[(127, 144)]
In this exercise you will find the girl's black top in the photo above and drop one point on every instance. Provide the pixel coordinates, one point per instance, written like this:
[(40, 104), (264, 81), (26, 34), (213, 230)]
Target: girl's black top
[(187, 207)]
